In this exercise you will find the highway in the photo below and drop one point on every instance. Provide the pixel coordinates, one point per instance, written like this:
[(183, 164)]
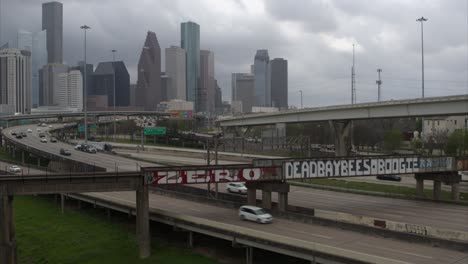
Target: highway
[(111, 162), (440, 215), (389, 249), (408, 211)]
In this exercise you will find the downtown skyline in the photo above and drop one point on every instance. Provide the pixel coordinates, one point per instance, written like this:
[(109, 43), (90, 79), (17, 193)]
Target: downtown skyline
[(317, 44)]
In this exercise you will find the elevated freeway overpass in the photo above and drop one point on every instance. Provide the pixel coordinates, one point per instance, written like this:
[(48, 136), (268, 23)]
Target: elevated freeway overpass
[(389, 256)]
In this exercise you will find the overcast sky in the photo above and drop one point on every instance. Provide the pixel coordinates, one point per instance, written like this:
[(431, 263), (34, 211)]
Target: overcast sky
[(315, 36)]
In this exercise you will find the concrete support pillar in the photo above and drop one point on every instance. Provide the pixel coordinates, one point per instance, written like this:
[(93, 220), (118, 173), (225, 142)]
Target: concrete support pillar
[(38, 161), (142, 222), (190, 239), (79, 204), (22, 157), (283, 201), (342, 131), (7, 231), (249, 255), (251, 196), (108, 213), (62, 202), (420, 186), (455, 191), (266, 199), (437, 190)]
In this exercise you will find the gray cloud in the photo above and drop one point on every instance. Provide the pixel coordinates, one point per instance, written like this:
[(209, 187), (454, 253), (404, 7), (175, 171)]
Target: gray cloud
[(314, 36)]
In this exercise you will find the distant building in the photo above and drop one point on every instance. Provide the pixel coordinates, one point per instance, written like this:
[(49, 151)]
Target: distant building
[(243, 91), (69, 91), (435, 126), (103, 83), (207, 84), (176, 105), (262, 79), (132, 94), (89, 77), (97, 103), (15, 80), (279, 83), (218, 98), (190, 42), (52, 22), (36, 43), (48, 82), (175, 71), (148, 93), (165, 83)]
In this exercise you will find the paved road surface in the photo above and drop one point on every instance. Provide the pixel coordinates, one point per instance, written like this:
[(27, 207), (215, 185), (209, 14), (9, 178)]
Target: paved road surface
[(383, 247), (409, 211), (111, 162)]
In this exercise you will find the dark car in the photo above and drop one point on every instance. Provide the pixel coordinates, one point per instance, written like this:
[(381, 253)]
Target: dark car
[(42, 134), (53, 140), (23, 134), (18, 136), (390, 177), (65, 152)]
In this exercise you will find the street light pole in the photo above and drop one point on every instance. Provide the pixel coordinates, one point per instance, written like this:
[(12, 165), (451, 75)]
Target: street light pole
[(85, 27), (302, 107), (422, 19), (113, 67)]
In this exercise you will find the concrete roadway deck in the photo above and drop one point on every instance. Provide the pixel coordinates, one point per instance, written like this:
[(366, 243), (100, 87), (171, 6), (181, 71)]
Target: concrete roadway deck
[(340, 239), (111, 162), (409, 211), (440, 215)]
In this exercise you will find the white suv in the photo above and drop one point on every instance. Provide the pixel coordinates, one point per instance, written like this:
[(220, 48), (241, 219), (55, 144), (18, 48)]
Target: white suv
[(14, 168), (236, 187), (255, 214)]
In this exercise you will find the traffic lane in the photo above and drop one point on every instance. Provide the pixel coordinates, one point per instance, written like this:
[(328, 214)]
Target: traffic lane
[(25, 169), (347, 240), (154, 157), (408, 211), (110, 162), (406, 181), (400, 210)]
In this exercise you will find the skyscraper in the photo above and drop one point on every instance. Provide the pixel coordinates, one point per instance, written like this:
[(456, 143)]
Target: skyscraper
[(279, 83), (243, 91), (89, 76), (190, 42), (49, 82), (262, 79), (206, 89), (52, 21), (103, 83), (148, 93), (175, 71), (15, 80), (69, 90), (36, 43), (218, 98)]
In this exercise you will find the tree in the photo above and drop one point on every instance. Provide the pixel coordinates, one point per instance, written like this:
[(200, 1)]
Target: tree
[(392, 140), (457, 143)]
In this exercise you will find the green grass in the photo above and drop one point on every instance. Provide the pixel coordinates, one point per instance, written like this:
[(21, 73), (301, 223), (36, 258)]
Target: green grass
[(44, 235), (381, 188)]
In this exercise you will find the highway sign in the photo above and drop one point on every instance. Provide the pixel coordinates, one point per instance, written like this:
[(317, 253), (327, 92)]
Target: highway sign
[(155, 131), (91, 127)]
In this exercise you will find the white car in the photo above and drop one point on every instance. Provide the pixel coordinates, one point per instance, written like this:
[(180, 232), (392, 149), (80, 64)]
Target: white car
[(29, 130), (38, 129), (44, 140), (236, 187), (14, 168), (50, 126), (256, 214)]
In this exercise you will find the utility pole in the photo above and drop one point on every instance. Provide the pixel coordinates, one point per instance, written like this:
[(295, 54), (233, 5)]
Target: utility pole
[(379, 83), (113, 75), (302, 106), (422, 19), (85, 28), (353, 81)]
